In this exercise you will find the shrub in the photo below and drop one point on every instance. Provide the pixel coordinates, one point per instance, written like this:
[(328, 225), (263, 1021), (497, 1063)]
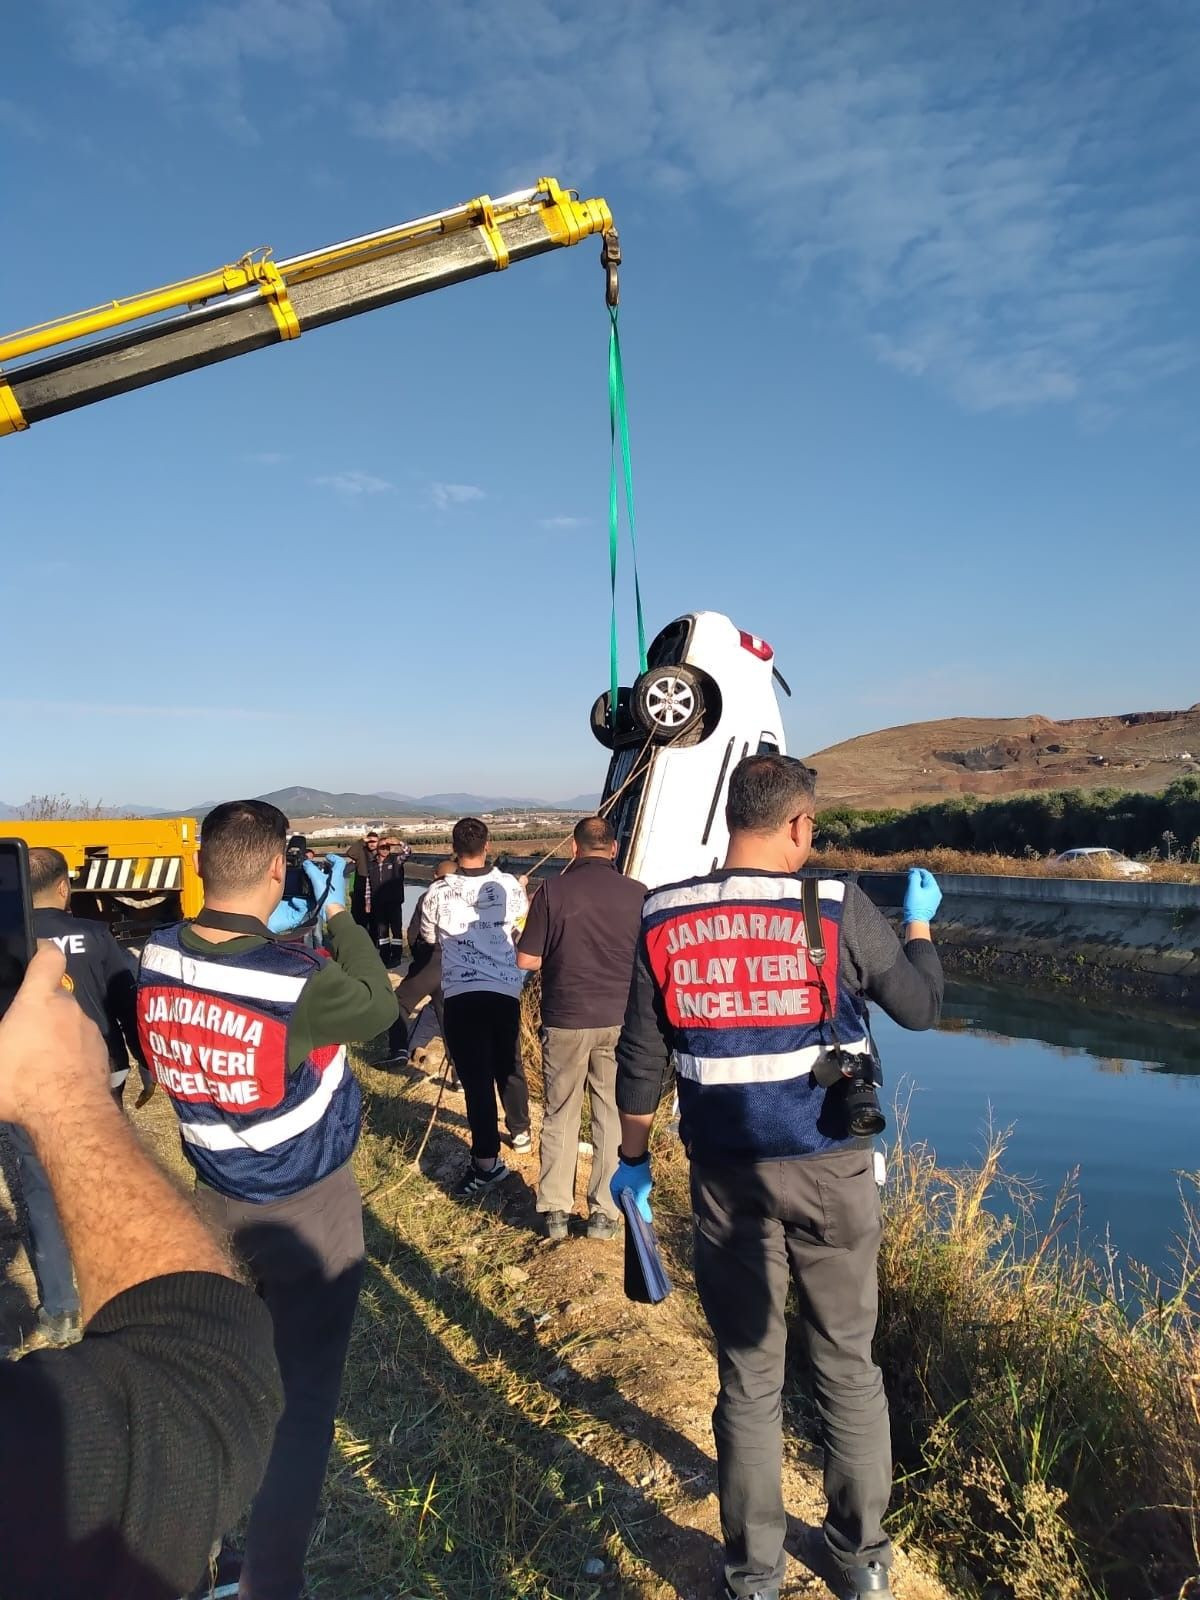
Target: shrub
[(1046, 1412)]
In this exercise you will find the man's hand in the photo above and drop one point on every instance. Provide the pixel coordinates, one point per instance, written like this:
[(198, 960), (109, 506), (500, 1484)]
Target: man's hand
[(339, 867), (288, 914), (633, 1175), (49, 1051), (922, 897)]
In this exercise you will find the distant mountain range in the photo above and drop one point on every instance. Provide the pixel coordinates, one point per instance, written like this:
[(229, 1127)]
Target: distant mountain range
[(300, 801)]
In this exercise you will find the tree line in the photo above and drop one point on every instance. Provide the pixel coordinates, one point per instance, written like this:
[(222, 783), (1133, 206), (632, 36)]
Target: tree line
[(1137, 823)]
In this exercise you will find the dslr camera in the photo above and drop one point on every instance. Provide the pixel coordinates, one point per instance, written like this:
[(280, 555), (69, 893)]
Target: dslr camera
[(859, 1078), (295, 880)]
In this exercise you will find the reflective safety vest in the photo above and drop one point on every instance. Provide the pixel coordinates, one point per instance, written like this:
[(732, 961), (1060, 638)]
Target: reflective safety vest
[(746, 1014), (215, 1032)]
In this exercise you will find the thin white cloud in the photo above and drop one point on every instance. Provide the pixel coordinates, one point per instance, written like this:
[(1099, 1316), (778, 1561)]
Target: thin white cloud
[(445, 495), (201, 59), (89, 708), (1001, 202), (563, 524), (353, 484)]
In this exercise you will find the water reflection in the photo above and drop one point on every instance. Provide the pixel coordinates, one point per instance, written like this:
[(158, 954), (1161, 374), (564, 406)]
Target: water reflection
[(1112, 1092), (1159, 1041)]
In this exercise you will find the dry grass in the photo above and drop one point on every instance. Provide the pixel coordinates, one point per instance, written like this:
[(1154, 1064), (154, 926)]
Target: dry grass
[(992, 865), (512, 1429), (1046, 1411)]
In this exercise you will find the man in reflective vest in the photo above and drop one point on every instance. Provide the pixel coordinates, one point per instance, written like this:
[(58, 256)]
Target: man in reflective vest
[(247, 1037), (757, 981)]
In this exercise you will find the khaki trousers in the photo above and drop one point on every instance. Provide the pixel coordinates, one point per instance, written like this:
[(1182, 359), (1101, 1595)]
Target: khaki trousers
[(574, 1059)]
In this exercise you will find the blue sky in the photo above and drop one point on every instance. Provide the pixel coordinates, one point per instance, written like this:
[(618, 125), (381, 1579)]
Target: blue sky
[(910, 333)]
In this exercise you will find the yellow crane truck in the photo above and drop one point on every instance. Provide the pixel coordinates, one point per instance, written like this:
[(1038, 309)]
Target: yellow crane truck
[(132, 873)]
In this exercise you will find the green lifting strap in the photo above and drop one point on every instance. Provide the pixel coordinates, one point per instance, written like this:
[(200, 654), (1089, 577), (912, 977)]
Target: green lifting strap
[(618, 426)]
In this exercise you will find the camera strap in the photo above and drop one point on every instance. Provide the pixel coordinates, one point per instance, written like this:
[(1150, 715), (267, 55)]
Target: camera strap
[(814, 938), (232, 922)]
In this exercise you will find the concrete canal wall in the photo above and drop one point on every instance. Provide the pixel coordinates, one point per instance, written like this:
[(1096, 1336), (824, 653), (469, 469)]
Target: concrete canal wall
[(1086, 934)]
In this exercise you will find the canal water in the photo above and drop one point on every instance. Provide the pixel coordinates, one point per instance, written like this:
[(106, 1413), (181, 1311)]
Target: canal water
[(1115, 1094)]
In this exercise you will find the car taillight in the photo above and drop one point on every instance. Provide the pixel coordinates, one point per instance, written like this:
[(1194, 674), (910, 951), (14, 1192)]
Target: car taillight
[(756, 646)]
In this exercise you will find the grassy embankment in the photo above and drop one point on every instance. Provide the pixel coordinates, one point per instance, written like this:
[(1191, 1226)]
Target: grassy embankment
[(512, 1427)]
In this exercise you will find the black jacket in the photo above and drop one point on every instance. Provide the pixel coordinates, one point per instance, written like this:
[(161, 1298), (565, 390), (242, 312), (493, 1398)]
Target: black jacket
[(104, 977), (124, 1458)]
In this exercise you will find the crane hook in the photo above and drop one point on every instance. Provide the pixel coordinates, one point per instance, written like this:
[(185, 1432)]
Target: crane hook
[(610, 260)]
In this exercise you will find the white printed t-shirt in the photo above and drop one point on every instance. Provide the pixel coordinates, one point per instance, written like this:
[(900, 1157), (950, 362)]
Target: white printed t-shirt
[(473, 915)]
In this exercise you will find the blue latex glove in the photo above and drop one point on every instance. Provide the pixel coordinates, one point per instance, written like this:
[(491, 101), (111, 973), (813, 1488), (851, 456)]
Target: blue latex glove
[(288, 914), (922, 897), (336, 879), (634, 1175)]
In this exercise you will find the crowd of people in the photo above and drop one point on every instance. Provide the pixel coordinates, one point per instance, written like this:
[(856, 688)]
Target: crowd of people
[(746, 989)]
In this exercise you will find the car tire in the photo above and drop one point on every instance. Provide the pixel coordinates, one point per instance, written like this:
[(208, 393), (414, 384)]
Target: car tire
[(668, 703), (601, 720)]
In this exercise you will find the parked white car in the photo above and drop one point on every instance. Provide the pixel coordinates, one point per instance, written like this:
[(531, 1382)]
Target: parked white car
[(706, 700), (1102, 856)]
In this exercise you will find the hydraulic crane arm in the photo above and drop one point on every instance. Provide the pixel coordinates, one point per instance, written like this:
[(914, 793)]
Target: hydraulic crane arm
[(257, 302)]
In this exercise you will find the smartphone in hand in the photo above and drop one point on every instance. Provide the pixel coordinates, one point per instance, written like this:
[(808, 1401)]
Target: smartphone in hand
[(17, 943)]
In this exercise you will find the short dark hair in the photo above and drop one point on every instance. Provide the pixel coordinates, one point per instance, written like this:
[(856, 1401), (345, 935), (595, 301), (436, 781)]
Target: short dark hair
[(766, 792), (238, 842), (469, 837), (47, 868), (594, 834)]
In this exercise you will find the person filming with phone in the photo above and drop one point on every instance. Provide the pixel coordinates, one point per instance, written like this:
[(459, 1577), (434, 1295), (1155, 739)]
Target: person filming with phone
[(125, 1457), (757, 980)]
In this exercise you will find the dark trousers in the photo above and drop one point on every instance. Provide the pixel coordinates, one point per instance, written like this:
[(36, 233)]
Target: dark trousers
[(422, 981), (817, 1218), (48, 1252), (305, 1256), (481, 1032)]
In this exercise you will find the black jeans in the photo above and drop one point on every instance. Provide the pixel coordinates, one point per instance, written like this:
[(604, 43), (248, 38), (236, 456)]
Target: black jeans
[(305, 1256), (482, 1030), (819, 1218)]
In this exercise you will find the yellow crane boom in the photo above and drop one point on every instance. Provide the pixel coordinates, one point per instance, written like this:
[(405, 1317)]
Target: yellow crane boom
[(125, 344)]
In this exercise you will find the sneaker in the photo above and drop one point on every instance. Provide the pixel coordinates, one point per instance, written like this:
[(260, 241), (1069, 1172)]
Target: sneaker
[(522, 1143), (477, 1181), (61, 1329), (602, 1226), (223, 1577), (557, 1223)]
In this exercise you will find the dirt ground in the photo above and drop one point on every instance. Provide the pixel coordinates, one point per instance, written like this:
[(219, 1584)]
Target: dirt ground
[(472, 1324)]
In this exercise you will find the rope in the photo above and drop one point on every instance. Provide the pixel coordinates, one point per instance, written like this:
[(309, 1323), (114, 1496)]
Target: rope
[(618, 430), (602, 811), (446, 1065)]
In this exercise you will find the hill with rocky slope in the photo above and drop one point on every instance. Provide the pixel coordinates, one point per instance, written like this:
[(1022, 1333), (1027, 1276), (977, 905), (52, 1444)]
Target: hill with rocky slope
[(928, 761)]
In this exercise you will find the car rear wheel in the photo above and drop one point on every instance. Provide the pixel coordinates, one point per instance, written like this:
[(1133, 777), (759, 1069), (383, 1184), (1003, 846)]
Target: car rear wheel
[(668, 702), (601, 719)]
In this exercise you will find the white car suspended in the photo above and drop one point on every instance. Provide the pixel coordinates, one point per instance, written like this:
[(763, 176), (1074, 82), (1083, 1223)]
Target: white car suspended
[(706, 700)]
